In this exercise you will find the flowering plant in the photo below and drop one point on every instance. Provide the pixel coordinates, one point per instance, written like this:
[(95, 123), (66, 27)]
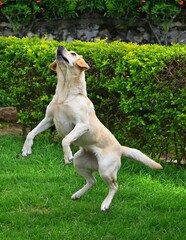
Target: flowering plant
[(19, 12)]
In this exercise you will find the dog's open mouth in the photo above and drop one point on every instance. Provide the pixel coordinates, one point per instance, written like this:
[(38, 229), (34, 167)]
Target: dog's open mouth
[(60, 55)]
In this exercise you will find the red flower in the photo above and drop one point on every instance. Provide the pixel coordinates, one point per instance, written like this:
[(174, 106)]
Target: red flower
[(143, 1), (1, 3), (139, 9), (181, 3), (37, 1), (42, 9)]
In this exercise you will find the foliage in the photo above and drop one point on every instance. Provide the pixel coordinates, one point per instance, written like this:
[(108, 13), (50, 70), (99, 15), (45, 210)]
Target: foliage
[(35, 199), (139, 92), (24, 75), (25, 11), (18, 14), (3, 98)]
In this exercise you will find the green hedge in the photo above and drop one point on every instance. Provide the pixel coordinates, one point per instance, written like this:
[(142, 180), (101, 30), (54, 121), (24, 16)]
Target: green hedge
[(139, 92)]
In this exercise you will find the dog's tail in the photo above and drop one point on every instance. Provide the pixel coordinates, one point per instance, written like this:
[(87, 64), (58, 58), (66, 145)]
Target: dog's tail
[(140, 157)]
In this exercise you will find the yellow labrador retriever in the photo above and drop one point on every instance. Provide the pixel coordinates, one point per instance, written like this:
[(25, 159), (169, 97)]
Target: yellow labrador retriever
[(73, 115)]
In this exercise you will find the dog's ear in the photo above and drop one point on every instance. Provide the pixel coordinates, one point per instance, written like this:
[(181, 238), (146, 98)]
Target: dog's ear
[(53, 66), (82, 64)]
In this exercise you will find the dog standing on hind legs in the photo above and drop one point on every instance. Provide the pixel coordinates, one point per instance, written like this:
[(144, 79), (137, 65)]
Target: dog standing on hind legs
[(73, 115)]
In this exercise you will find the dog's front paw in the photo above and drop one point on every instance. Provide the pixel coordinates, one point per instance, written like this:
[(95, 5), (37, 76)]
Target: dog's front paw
[(26, 151), (68, 160)]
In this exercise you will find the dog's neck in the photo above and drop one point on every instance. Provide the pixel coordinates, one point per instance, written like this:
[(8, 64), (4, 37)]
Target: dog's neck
[(68, 87)]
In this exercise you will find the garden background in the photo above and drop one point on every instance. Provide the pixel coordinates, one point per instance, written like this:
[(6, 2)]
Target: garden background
[(139, 92)]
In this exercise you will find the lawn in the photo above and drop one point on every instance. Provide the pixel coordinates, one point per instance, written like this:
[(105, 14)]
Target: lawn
[(35, 199)]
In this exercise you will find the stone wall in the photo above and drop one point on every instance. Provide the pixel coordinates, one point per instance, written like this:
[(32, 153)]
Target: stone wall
[(88, 29)]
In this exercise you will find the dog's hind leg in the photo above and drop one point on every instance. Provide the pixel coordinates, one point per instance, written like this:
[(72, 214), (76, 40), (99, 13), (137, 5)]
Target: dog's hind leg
[(85, 163), (108, 168)]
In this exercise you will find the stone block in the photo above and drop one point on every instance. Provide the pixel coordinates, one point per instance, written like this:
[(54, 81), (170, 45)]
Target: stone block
[(8, 114)]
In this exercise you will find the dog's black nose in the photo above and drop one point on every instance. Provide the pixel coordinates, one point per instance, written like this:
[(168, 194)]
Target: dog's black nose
[(60, 50)]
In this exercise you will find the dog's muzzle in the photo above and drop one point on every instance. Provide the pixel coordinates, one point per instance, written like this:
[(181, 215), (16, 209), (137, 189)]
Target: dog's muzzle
[(60, 54)]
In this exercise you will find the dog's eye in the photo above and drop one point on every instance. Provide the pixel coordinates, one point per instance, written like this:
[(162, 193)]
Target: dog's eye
[(73, 53)]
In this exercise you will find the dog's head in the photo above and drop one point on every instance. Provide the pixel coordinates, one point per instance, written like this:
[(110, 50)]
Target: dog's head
[(68, 59)]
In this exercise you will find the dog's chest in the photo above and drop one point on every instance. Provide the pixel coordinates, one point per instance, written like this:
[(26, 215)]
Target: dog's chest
[(63, 118)]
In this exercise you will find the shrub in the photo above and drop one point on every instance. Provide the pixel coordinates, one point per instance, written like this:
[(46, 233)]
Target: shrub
[(3, 98), (139, 92)]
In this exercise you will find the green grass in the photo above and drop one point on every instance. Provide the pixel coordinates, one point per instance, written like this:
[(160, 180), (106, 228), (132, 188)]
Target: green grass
[(35, 199)]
